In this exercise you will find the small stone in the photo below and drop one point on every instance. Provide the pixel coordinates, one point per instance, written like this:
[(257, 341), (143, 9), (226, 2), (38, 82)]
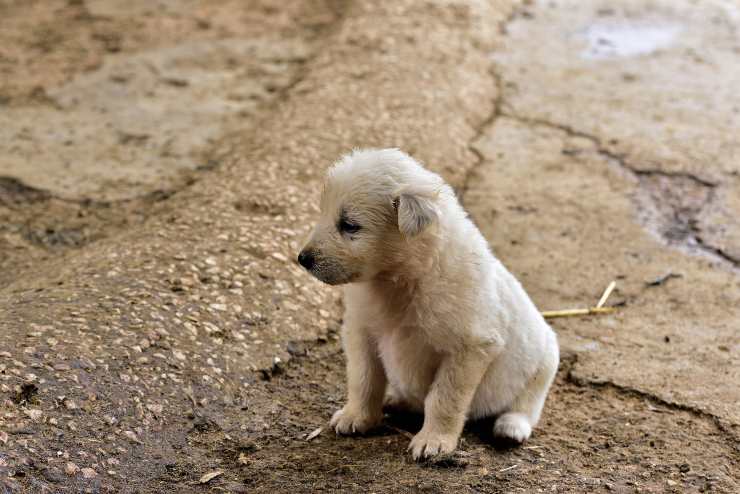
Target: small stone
[(71, 469), (314, 434), (210, 476), (132, 436), (86, 364), (53, 475), (34, 414), (89, 473)]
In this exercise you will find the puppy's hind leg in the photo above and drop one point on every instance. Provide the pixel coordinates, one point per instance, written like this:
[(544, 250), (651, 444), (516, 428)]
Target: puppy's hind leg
[(517, 423)]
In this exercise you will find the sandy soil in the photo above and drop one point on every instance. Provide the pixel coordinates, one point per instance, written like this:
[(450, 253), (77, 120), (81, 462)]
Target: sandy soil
[(159, 165)]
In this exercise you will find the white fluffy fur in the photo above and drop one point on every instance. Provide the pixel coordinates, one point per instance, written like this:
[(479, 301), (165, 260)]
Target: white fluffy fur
[(433, 320)]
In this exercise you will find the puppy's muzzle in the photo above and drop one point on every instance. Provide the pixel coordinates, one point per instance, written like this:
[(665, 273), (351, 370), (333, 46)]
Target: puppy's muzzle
[(307, 259)]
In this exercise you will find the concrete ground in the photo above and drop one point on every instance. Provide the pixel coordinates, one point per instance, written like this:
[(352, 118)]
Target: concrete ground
[(159, 168)]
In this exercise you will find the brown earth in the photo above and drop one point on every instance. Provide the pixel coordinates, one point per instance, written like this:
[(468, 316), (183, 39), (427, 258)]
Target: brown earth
[(159, 166)]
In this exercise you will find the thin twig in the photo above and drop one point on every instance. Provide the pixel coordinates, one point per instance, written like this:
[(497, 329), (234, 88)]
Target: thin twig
[(606, 294), (401, 431), (550, 314), (599, 309)]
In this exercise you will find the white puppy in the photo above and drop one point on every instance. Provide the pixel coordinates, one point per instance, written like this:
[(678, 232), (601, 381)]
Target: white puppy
[(433, 320)]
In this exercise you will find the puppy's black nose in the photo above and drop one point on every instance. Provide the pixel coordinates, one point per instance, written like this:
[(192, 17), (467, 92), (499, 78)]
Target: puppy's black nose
[(306, 259)]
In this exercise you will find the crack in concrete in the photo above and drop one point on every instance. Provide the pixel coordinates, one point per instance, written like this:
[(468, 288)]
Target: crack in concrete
[(569, 362), (14, 192), (479, 132), (45, 219), (683, 218), (620, 158)]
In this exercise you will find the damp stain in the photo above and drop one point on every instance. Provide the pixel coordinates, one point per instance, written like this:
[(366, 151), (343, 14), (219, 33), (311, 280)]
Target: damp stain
[(627, 39)]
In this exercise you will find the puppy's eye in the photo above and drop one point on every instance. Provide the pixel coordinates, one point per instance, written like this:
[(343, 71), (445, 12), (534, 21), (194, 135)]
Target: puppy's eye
[(346, 226)]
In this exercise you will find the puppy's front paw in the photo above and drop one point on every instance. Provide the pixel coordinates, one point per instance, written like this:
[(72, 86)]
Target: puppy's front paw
[(350, 420), (513, 426), (427, 444)]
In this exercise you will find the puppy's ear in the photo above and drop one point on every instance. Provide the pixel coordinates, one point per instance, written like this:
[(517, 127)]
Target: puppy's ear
[(416, 211)]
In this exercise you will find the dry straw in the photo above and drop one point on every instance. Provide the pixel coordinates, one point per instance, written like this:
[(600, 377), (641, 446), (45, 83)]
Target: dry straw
[(599, 309)]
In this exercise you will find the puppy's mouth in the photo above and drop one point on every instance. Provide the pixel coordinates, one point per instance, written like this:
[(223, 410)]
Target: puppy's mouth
[(331, 275)]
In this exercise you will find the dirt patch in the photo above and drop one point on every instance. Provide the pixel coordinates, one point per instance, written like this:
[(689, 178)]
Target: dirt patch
[(590, 439)]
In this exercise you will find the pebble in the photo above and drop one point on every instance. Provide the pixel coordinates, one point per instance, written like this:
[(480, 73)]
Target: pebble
[(279, 257), (89, 473), (34, 414), (53, 475), (132, 436)]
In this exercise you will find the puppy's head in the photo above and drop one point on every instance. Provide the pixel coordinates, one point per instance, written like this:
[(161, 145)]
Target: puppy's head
[(376, 204)]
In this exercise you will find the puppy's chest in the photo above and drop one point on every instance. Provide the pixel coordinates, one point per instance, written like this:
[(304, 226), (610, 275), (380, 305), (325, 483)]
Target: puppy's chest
[(401, 332), (409, 361)]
